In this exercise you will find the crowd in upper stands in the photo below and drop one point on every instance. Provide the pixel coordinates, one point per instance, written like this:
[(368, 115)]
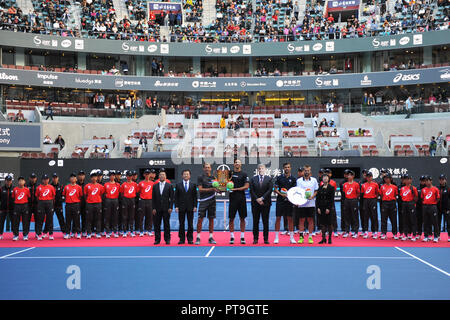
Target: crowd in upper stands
[(236, 21)]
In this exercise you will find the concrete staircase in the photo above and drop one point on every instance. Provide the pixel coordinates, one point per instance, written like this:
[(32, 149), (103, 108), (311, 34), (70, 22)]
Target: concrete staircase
[(209, 12), (121, 9), (25, 5), (301, 15), (75, 16)]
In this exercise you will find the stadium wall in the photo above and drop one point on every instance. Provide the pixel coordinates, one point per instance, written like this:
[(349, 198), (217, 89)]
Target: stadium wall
[(410, 40)]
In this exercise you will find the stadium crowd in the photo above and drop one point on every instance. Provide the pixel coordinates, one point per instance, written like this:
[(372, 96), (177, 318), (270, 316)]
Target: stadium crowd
[(272, 21)]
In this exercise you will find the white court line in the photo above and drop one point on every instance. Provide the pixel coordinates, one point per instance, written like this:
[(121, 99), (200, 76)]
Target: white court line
[(209, 252), (209, 257), (423, 261), (11, 254)]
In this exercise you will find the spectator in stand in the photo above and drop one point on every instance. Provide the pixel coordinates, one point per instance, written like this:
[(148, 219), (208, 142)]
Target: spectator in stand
[(433, 146), (285, 123), (106, 151), (331, 123), (59, 140), (171, 109), (181, 133), (408, 107), (143, 143), (49, 112), (101, 101), (47, 140), (159, 130), (127, 144), (222, 123), (323, 123), (315, 121), (432, 99), (148, 103), (333, 69), (334, 133), (330, 106), (114, 71), (19, 117), (319, 133), (293, 124), (348, 65), (440, 140), (138, 103), (78, 150), (340, 146)]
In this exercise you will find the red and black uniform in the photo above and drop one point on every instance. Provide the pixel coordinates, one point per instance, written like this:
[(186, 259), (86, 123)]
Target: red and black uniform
[(341, 188), (21, 210), (46, 196), (93, 193), (409, 196), (6, 205), (430, 197), (389, 193), (350, 210), (128, 191), (370, 192), (145, 207), (73, 195), (111, 213)]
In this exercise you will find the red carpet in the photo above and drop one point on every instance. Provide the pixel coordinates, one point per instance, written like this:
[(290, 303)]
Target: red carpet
[(221, 237)]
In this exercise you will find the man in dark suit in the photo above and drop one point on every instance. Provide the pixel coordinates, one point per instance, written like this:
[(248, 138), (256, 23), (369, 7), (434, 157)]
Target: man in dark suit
[(162, 201), (185, 205), (261, 187)]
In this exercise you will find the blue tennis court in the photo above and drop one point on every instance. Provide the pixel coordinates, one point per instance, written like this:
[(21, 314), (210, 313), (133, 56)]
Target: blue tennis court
[(206, 273)]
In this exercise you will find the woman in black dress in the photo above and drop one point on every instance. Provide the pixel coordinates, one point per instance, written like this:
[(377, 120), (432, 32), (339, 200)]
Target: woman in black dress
[(324, 201)]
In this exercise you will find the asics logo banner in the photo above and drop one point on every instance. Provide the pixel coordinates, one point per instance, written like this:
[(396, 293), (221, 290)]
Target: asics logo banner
[(406, 77)]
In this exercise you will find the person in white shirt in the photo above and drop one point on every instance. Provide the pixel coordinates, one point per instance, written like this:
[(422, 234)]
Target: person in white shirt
[(315, 121), (326, 146), (128, 143), (47, 140), (307, 211), (159, 131), (330, 106)]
